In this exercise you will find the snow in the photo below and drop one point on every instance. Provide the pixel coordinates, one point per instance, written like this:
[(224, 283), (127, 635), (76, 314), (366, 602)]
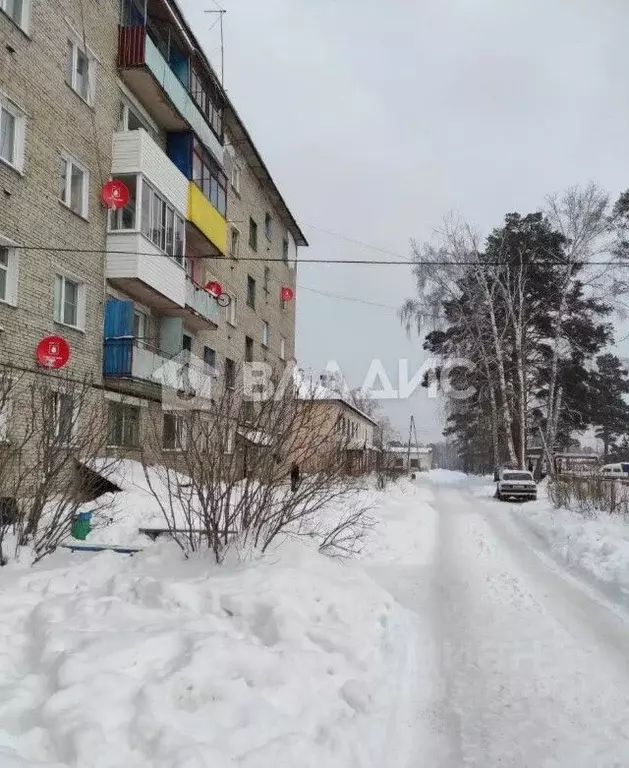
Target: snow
[(447, 477), (597, 545), (292, 659)]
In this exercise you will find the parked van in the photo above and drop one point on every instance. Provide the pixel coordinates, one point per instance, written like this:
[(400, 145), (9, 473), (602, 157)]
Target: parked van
[(618, 471)]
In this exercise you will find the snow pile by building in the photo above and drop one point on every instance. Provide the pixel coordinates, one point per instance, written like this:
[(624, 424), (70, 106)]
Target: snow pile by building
[(294, 659)]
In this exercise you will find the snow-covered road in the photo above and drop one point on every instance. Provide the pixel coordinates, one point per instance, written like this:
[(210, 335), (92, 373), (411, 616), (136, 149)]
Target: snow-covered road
[(530, 666)]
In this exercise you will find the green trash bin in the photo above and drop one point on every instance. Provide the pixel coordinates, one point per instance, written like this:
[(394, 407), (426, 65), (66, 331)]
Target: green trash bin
[(82, 525)]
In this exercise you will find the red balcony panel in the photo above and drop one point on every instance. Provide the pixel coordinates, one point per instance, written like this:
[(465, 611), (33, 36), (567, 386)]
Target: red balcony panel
[(131, 46)]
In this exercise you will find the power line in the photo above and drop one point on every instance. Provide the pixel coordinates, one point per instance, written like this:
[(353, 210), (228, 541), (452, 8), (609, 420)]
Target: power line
[(356, 262)]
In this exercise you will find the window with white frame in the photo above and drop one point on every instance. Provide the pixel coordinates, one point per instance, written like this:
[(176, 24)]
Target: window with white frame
[(5, 417), (131, 118), (12, 133), (236, 177), (162, 225), (265, 333), (64, 417), (139, 327), (69, 304), (234, 243), (282, 348), (17, 11), (125, 218), (81, 70), (231, 310), (9, 266), (74, 185), (174, 432)]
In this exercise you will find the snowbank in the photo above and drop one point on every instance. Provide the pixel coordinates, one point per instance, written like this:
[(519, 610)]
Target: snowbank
[(598, 545), (289, 660), (447, 476)]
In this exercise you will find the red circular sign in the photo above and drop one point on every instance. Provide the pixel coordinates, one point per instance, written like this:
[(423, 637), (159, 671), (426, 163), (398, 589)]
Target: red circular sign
[(115, 194), (214, 288), (53, 352), (286, 293)]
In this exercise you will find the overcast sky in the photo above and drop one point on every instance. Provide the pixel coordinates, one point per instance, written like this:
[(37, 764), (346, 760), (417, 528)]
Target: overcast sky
[(377, 119)]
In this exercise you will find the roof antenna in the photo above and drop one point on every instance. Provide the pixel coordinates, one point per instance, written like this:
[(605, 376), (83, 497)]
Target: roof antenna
[(221, 12)]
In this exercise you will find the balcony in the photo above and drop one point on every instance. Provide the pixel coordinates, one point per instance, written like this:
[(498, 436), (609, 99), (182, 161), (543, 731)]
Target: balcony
[(124, 358), (136, 152), (206, 219), (202, 308), (145, 70), (139, 268)]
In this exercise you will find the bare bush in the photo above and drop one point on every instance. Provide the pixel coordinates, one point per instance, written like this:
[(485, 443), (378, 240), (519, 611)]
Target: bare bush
[(589, 494), (223, 472), (57, 452)]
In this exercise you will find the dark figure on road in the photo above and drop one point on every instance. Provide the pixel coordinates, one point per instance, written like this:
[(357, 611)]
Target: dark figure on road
[(294, 477)]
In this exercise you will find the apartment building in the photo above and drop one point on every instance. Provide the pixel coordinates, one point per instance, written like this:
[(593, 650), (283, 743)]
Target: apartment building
[(121, 90)]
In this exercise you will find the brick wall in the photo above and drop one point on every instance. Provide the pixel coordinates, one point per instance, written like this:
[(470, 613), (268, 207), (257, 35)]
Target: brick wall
[(33, 75)]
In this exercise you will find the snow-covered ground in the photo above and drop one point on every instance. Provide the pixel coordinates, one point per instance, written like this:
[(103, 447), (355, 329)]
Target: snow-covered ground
[(294, 659), (455, 640), (596, 544)]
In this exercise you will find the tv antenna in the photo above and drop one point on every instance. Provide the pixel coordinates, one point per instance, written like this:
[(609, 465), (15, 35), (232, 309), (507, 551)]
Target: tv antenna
[(220, 12)]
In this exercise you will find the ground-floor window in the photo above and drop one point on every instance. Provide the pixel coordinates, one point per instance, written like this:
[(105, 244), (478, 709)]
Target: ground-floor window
[(124, 425), (174, 433)]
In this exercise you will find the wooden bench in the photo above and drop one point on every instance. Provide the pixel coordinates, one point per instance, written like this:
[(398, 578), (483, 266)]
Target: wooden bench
[(154, 533), (101, 548)]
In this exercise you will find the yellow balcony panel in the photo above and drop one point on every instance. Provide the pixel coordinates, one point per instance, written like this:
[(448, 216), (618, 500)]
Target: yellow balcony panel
[(206, 218)]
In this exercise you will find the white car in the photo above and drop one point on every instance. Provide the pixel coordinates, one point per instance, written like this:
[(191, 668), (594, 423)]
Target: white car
[(515, 484), (618, 471)]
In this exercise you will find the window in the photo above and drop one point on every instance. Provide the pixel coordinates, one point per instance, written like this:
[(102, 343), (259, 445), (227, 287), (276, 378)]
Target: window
[(236, 177), (282, 348), (17, 10), (12, 134), (124, 218), (229, 441), (234, 243), (231, 310), (268, 226), (162, 225), (285, 249), (249, 411), (230, 374), (69, 302), (173, 433), (253, 235), (209, 358), (63, 417), (265, 334), (186, 342), (248, 349), (210, 179), (207, 96), (139, 327), (5, 417), (124, 425), (131, 119), (267, 279), (251, 292), (8, 274), (81, 71), (74, 185)]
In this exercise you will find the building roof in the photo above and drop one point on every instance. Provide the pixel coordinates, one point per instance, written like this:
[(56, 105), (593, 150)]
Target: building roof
[(405, 449), (241, 135), (309, 389)]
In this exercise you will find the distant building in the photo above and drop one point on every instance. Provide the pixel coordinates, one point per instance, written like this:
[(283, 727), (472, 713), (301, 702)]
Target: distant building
[(345, 426), (413, 459)]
